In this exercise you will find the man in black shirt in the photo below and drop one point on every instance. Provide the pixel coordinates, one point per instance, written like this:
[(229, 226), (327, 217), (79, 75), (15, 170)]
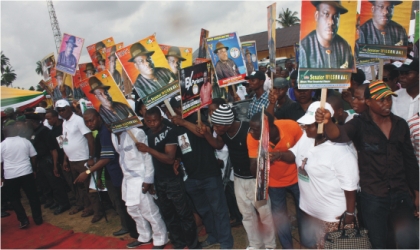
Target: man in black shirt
[(204, 184), (234, 135), (387, 165), (170, 189), (47, 158), (279, 101)]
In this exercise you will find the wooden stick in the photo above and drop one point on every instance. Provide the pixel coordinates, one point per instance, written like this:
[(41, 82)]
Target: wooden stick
[(372, 71), (199, 117), (323, 100), (169, 107), (132, 136), (381, 69)]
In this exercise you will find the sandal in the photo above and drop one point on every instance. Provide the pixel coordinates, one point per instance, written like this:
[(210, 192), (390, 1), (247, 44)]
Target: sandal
[(76, 210)]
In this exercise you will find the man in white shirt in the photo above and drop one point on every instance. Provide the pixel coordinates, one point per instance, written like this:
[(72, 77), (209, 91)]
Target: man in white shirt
[(406, 104), (137, 189), (18, 158), (78, 146)]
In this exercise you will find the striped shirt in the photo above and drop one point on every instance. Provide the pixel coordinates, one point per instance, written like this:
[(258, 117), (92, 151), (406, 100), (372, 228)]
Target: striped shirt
[(394, 34), (145, 86), (413, 123), (313, 55), (256, 105)]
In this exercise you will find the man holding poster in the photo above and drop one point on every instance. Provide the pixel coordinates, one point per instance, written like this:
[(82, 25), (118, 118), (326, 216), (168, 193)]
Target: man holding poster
[(323, 47)]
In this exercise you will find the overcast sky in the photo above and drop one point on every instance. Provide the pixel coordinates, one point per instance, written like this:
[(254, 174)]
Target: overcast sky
[(26, 34)]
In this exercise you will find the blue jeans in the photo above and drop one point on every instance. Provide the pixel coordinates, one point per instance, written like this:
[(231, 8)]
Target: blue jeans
[(388, 218), (279, 212), (209, 199)]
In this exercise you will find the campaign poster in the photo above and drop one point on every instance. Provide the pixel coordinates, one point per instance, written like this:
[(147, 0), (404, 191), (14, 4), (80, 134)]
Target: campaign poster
[(61, 85), (383, 29), (195, 87), (148, 71), (108, 100), (77, 92), (86, 70), (46, 87), (263, 161), (202, 48), (113, 65), (47, 63), (361, 61), (327, 62), (97, 53), (70, 51), (227, 58), (271, 31), (201, 60), (177, 57), (249, 49)]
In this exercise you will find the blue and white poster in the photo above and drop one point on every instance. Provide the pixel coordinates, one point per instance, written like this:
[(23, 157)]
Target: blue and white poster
[(249, 49)]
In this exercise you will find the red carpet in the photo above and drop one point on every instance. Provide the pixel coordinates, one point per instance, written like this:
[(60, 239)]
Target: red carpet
[(49, 236)]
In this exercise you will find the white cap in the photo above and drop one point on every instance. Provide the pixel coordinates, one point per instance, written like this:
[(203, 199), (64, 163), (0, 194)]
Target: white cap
[(40, 110), (62, 103), (309, 117)]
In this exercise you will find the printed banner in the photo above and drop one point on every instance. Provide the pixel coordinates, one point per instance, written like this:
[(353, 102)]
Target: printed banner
[(108, 100), (327, 45), (202, 48), (249, 49), (195, 87), (77, 92), (263, 161), (70, 51), (114, 66), (226, 56), (148, 71), (47, 63), (383, 29), (271, 31), (61, 85), (178, 57), (97, 53)]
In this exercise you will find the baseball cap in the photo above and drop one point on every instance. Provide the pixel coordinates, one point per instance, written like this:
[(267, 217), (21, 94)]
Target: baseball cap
[(175, 101), (256, 75), (410, 64), (281, 82), (40, 110), (378, 90), (309, 117), (61, 103)]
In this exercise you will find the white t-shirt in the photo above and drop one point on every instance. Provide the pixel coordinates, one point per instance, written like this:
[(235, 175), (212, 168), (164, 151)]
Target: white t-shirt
[(76, 147), (15, 154), (331, 168), (404, 105), (223, 154)]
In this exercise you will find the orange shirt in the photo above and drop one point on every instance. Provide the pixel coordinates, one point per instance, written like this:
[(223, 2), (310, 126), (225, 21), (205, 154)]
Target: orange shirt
[(282, 174)]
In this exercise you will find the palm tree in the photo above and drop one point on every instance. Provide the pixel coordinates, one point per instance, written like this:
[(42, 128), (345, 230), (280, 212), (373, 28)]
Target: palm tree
[(8, 76), (38, 69), (287, 18), (4, 62)]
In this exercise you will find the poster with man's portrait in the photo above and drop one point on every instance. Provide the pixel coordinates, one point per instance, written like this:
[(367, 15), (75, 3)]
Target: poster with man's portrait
[(227, 58), (97, 53), (263, 161), (114, 66), (47, 63), (249, 49), (61, 85), (326, 50), (383, 29), (202, 48), (107, 98), (77, 92), (196, 88), (148, 71), (184, 143), (70, 51), (177, 57)]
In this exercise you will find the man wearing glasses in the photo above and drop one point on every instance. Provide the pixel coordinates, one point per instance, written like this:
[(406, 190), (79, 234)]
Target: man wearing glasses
[(323, 47), (380, 29), (406, 105)]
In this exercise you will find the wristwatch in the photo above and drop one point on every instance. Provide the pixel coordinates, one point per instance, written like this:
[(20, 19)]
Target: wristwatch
[(353, 214), (87, 171)]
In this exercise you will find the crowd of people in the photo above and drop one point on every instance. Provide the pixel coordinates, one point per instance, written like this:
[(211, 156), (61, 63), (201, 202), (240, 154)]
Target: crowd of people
[(165, 177)]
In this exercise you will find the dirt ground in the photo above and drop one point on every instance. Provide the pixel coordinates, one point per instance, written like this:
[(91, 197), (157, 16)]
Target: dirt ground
[(103, 228)]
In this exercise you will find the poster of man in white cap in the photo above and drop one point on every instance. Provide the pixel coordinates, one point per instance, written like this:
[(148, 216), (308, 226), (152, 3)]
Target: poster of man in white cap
[(148, 71), (108, 100), (226, 56), (70, 51)]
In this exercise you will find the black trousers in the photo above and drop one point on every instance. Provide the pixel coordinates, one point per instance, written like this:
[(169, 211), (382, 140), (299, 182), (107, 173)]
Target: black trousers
[(27, 183), (115, 196), (177, 213), (57, 184)]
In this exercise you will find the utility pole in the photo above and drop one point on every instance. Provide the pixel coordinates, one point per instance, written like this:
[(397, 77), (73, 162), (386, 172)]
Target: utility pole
[(54, 25)]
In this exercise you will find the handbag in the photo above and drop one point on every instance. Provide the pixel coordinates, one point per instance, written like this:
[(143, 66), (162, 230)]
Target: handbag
[(354, 238)]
